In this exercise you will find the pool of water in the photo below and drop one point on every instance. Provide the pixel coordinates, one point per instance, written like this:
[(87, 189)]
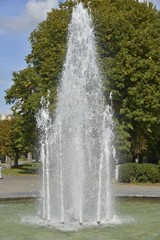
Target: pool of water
[(136, 220)]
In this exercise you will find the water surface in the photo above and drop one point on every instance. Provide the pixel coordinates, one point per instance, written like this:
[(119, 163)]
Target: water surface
[(137, 220)]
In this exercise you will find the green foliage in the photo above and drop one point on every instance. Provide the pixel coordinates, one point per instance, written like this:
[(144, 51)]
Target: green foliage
[(133, 172), (14, 137), (24, 93), (5, 137), (122, 143), (44, 69), (127, 35), (24, 169)]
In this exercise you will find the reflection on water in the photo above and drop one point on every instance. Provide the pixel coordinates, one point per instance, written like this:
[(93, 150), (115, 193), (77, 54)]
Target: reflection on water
[(137, 219)]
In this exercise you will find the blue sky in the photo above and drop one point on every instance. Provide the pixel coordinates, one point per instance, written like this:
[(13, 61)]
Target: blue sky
[(18, 19)]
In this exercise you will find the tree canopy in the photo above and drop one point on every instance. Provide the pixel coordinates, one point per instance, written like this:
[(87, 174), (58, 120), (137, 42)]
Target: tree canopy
[(13, 141), (127, 34)]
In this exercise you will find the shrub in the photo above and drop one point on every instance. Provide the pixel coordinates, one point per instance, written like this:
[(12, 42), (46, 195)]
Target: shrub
[(133, 172)]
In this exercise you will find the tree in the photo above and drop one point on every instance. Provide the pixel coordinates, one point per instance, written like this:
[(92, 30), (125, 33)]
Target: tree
[(5, 133), (45, 63), (127, 34), (12, 142)]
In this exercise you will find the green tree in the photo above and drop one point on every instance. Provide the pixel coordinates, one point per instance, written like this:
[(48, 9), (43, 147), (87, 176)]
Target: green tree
[(20, 134), (5, 137), (12, 143), (44, 69), (127, 34)]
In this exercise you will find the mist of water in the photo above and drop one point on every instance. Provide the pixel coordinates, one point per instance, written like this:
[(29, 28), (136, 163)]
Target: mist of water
[(76, 140)]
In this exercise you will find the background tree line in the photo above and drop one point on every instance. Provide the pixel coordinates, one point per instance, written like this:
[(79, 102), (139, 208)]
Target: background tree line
[(127, 34)]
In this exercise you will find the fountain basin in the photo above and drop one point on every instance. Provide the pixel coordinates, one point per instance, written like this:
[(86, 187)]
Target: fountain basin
[(136, 219)]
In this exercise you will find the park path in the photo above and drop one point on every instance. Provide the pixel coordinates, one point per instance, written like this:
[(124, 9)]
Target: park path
[(19, 186), (132, 190), (29, 187)]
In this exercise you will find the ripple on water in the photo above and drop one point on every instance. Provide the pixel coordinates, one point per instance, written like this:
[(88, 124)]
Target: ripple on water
[(74, 226)]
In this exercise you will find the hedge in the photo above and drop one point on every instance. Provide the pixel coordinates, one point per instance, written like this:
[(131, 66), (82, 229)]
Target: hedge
[(134, 172)]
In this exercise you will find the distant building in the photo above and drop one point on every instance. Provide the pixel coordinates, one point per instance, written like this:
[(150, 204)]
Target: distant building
[(6, 117)]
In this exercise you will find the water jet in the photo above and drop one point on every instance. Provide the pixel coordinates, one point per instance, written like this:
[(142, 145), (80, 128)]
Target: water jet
[(76, 145)]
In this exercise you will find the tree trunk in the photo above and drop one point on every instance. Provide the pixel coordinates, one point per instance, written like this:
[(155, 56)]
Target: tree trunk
[(140, 159), (8, 162), (133, 158), (16, 157), (29, 157)]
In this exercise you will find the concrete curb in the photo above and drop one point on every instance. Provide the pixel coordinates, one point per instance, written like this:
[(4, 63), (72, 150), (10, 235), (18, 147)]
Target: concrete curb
[(36, 195), (19, 196)]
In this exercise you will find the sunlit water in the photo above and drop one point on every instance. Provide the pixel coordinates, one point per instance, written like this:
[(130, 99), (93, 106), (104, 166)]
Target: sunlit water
[(141, 221), (76, 145)]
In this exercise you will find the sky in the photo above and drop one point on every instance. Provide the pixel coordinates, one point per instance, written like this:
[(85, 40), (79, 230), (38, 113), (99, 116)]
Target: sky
[(18, 19)]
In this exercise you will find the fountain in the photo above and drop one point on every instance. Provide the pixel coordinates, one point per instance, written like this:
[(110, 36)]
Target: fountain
[(75, 151), (76, 146)]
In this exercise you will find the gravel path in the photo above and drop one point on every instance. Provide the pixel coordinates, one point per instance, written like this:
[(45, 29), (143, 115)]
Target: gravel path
[(19, 186), (14, 187)]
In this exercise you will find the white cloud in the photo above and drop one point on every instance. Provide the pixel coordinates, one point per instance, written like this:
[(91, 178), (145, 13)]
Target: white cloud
[(38, 9), (34, 12), (155, 2)]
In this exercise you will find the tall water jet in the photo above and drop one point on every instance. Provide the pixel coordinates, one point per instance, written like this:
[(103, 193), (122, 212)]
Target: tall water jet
[(76, 146)]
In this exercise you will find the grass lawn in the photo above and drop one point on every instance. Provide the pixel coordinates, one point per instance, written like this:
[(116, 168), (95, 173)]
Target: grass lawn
[(23, 169), (138, 184), (35, 168)]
